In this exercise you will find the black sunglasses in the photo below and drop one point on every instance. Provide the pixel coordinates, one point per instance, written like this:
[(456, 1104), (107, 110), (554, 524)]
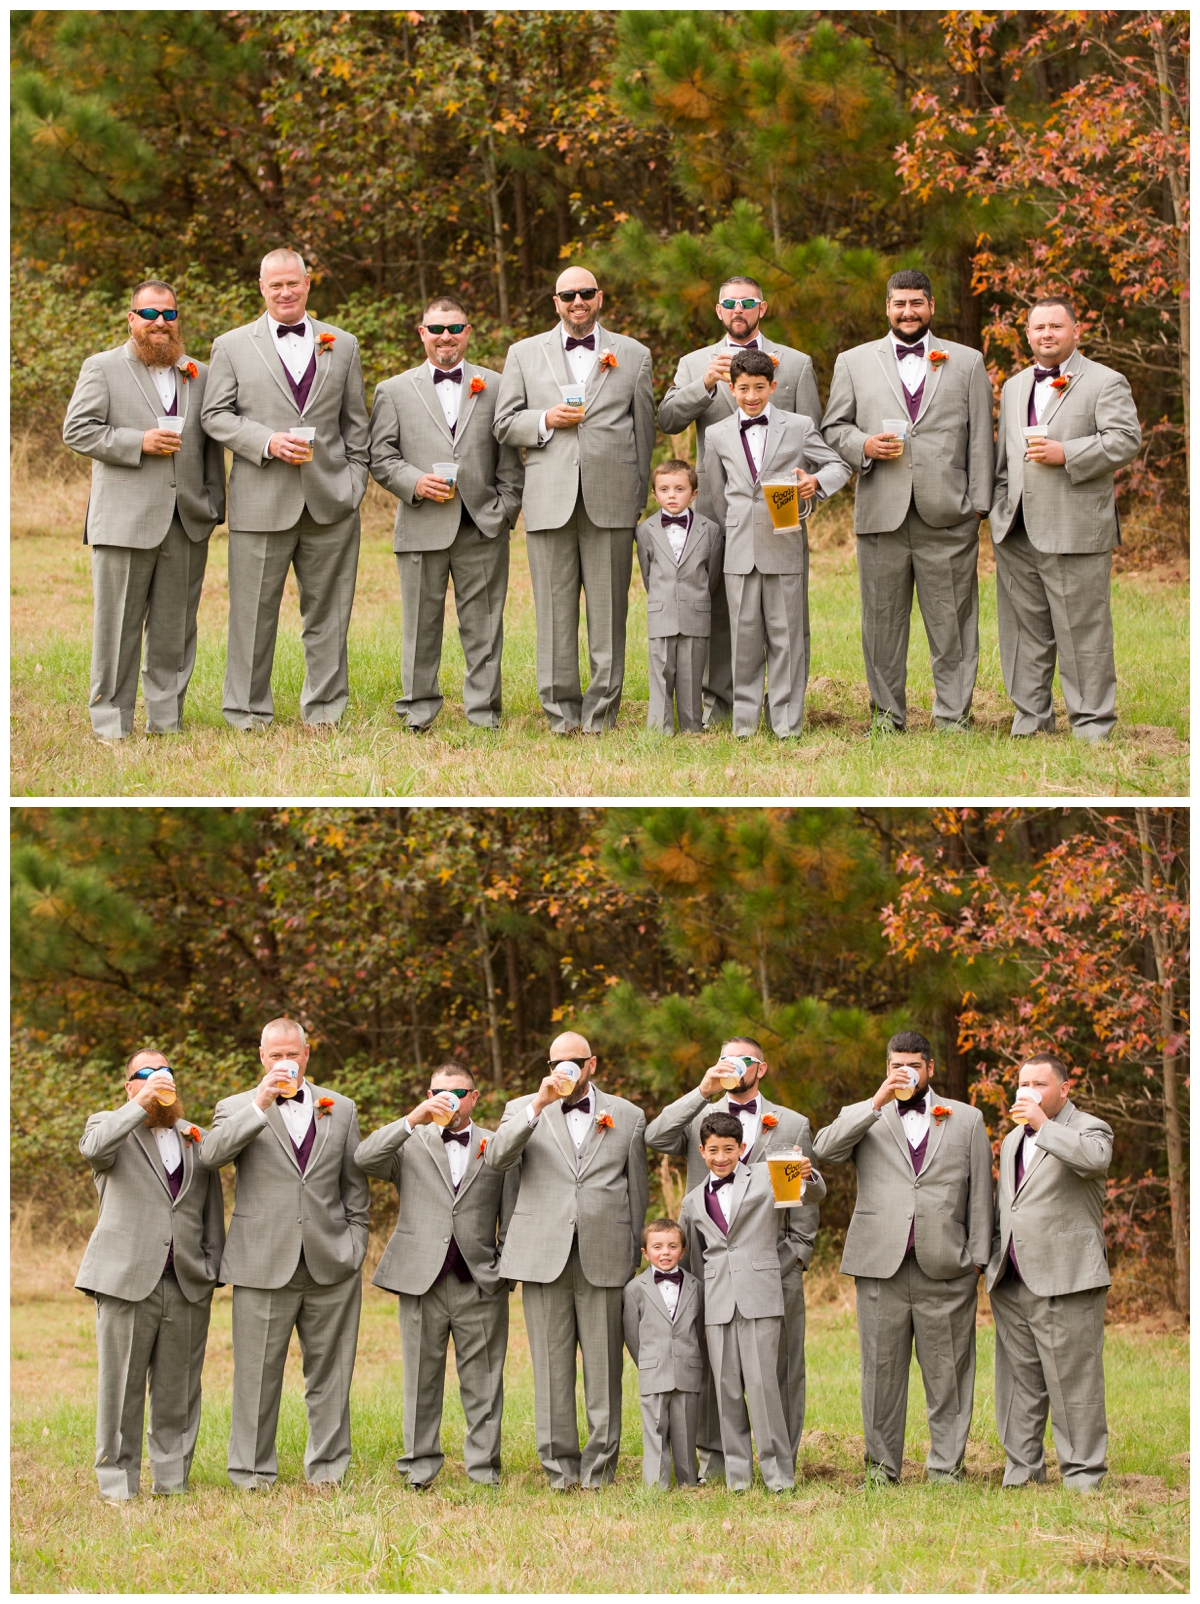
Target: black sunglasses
[(446, 328), (746, 301), (151, 313), (451, 1091), (145, 1074), (569, 295)]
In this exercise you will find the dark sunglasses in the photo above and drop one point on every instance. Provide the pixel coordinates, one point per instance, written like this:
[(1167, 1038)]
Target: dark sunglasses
[(747, 302), (452, 1091), (145, 1074), (555, 1062), (567, 296), (151, 313), (446, 328)]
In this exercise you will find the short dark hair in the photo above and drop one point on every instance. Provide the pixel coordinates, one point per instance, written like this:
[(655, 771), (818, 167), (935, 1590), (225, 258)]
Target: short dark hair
[(151, 284), (910, 1041), (676, 465), (722, 1124), (741, 278), (451, 1067), (130, 1060), (445, 303), (1054, 1061), (1054, 300), (746, 1041), (909, 278), (755, 363), (663, 1225)]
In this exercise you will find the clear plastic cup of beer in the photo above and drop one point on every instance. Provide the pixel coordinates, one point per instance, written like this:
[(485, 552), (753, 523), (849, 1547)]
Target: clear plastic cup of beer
[(787, 1176), (289, 1067), (573, 396), (166, 1094), (566, 1076), (449, 472), (898, 427), (733, 1071), (439, 1116), (167, 421), (308, 435), (1026, 1094), (914, 1080)]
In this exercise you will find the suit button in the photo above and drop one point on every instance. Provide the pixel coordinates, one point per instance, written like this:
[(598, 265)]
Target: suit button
[(445, 1239)]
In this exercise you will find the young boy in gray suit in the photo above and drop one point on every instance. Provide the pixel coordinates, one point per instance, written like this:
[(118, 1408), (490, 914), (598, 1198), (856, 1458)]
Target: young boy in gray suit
[(664, 1316), (679, 550)]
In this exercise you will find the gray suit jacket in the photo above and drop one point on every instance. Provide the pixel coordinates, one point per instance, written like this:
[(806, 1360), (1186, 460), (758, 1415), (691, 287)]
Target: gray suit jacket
[(1072, 508), (431, 1212), (667, 1352), (751, 540), (951, 1199), (409, 434), (601, 1193), (139, 1221), (134, 497), (1056, 1220), (279, 1211), (607, 456), (687, 401), (677, 1131), (741, 1270), (248, 400), (679, 594), (948, 455)]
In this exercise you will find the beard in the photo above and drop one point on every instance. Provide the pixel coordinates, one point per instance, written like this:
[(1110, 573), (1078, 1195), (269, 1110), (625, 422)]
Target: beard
[(161, 1116), (158, 353), (580, 329), (911, 339)]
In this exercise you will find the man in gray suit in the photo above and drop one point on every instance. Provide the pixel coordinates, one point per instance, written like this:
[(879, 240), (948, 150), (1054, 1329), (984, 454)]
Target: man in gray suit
[(586, 472), (442, 412), (1054, 525), (573, 1242), (919, 499), (293, 500), (151, 1264), (157, 494), (443, 1261), (700, 394), (919, 1237), (1048, 1281), (296, 1243), (764, 1124)]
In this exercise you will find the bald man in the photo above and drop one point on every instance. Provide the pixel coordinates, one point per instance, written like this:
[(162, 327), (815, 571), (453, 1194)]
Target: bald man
[(574, 1241), (587, 467)]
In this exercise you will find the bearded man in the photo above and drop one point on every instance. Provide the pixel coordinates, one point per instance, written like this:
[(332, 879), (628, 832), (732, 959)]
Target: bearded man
[(151, 1265), (158, 491)]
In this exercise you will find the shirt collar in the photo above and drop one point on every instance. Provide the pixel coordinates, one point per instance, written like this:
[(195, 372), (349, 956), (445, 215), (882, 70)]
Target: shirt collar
[(564, 332), (458, 366), (273, 324), (744, 417), (751, 345), (921, 345)]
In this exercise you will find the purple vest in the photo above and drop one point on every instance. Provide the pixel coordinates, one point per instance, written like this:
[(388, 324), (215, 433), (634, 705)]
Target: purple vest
[(749, 454), (300, 389), (173, 410), (306, 1146), (917, 1154), (913, 401), (715, 1212), (1031, 416)]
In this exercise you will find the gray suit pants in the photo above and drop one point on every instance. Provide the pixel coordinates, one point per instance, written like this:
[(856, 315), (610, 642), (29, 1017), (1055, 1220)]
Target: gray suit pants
[(580, 553), (676, 681), (560, 1316), (156, 592), (161, 1337), (479, 1327), (325, 557), (1048, 604), (745, 1357), (768, 617), (718, 670), (669, 1437), (943, 565), (479, 568), (1050, 1358), (325, 1318), (940, 1316)]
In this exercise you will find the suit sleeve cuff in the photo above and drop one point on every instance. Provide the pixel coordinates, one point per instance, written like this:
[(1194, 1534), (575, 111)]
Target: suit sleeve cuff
[(405, 1126), (544, 433), (262, 1116)]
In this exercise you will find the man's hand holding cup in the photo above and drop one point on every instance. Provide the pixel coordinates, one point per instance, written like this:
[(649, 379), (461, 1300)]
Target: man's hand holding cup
[(161, 1080), (279, 1081), (438, 1109), (899, 1079), (1027, 1108)]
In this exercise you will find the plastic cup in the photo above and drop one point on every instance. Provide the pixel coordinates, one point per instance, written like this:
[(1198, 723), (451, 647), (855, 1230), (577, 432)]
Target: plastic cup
[(734, 1074), (573, 396), (787, 1179), (896, 426), (174, 424), (166, 1094), (440, 1118), (566, 1072), (447, 471), (289, 1066), (914, 1080), (1018, 1115), (305, 434)]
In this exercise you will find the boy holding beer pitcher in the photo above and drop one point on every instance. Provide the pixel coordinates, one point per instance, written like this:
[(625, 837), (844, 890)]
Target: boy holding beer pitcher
[(679, 550), (766, 467)]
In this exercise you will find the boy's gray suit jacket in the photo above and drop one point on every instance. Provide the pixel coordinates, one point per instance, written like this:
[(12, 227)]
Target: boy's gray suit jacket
[(687, 401), (1056, 1220), (741, 1269), (607, 456), (1073, 508), (248, 399), (431, 1212), (134, 497), (667, 1352), (751, 540), (325, 1210), (409, 433), (950, 1201), (602, 1192), (949, 454), (679, 594), (139, 1221)]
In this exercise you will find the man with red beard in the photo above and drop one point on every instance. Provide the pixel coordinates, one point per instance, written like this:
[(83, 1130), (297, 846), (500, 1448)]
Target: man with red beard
[(151, 1265), (158, 491)]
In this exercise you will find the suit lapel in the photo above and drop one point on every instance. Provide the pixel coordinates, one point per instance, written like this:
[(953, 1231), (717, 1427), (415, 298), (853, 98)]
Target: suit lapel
[(604, 342), (150, 1147), (474, 1159), (1063, 1117), (687, 1295), (466, 404), (774, 438), (1024, 391), (654, 1297), (595, 1136), (1073, 366), (138, 369), (891, 1118), (935, 1133), (427, 390), (260, 335), (556, 357), (887, 361), (181, 393), (760, 1141), (279, 1129), (321, 1131), (1008, 1157), (560, 1133), (432, 1136), (189, 1159), (741, 1180), (324, 363), (932, 377)]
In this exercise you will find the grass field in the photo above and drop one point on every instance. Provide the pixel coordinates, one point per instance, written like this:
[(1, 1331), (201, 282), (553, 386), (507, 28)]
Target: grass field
[(373, 1535), (53, 753)]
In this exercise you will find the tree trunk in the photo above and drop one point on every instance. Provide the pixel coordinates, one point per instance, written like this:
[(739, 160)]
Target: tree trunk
[(523, 258), (514, 995), (1178, 203), (493, 182), (970, 319), (762, 973), (554, 982), (489, 983)]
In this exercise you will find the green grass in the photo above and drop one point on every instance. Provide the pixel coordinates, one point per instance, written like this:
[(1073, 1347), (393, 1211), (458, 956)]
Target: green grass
[(53, 753), (375, 1536)]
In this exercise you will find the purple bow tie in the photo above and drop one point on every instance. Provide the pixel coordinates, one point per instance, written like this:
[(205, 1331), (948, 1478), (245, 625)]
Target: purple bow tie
[(584, 1105), (669, 1275), (752, 423), (744, 1108), (1045, 373), (281, 1101), (456, 1136), (440, 376), (717, 1181), (291, 328), (588, 342), (909, 350), (915, 1105), (675, 518)]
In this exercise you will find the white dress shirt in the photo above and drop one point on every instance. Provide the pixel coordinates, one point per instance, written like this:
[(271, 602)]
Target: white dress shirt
[(1044, 392), (912, 371), (750, 1122), (756, 437), (295, 350), (458, 1154), (580, 363), (670, 1295), (165, 384), (677, 536), (915, 1121), (169, 1150), (450, 395), (1028, 1148), (578, 1124), (297, 1113)]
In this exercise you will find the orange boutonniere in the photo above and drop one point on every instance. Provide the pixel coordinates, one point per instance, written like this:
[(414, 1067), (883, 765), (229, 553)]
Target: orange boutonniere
[(192, 1134), (324, 1106), (604, 1122), (941, 1112), (1061, 382), (325, 342), (936, 358), (769, 1122), (608, 359), (478, 385), (482, 1146), (189, 369), (774, 358)]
